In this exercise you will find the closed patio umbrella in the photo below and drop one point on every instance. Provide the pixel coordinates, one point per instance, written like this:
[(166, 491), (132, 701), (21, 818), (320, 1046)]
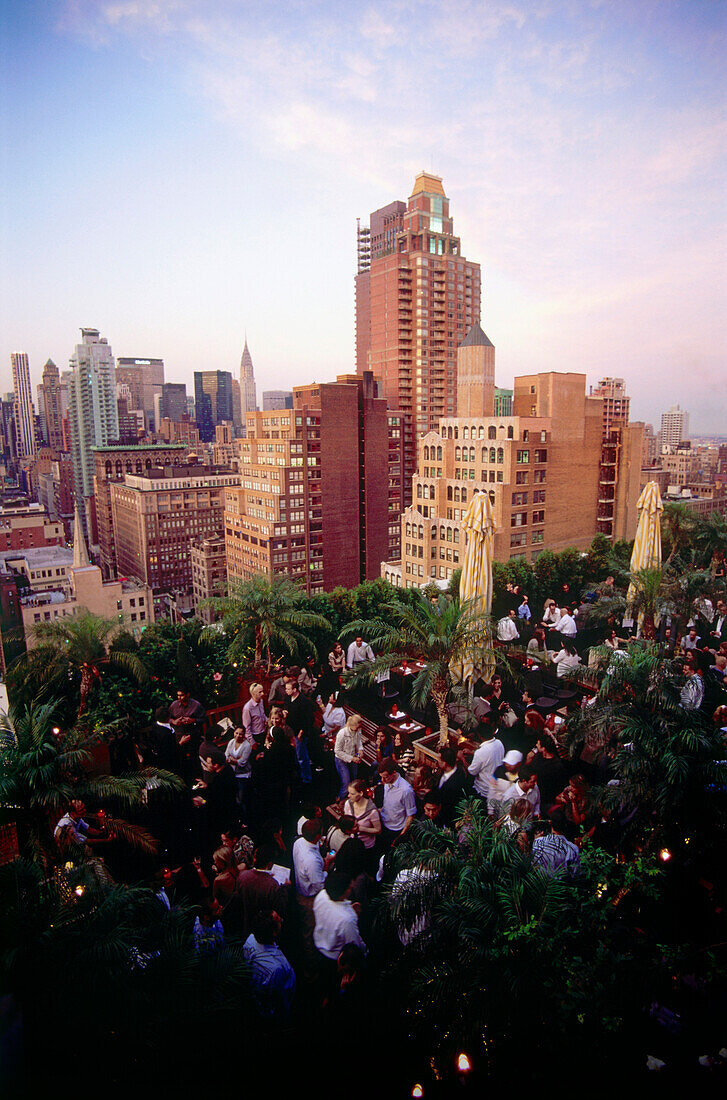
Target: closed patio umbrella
[(475, 588)]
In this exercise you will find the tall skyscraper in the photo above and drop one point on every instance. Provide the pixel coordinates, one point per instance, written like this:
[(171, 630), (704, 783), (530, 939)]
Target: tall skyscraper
[(92, 413), (52, 405), (424, 297), (173, 402), (247, 382), (212, 401), (674, 426), (23, 405), (237, 415), (145, 378), (372, 240)]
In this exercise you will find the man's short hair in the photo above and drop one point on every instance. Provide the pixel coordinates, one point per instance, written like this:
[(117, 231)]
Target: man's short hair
[(265, 926), (216, 755), (434, 798), (449, 755), (336, 885), (161, 714), (264, 856), (526, 771), (311, 829), (388, 765)]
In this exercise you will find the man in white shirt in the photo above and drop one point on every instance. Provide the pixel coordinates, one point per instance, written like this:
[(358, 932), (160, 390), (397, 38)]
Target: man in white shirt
[(310, 875), (526, 787), (566, 624), (399, 806), (359, 651), (308, 863), (507, 630), (486, 760), (336, 919)]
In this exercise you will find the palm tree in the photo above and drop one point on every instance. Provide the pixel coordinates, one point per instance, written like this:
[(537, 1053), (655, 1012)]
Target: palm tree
[(441, 633), (80, 645), (43, 768), (498, 949), (667, 760), (678, 524), (647, 599), (271, 609)]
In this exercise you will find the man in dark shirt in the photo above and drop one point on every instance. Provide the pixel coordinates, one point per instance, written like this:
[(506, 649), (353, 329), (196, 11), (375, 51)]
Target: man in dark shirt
[(257, 890), (216, 799), (301, 721), (187, 718)]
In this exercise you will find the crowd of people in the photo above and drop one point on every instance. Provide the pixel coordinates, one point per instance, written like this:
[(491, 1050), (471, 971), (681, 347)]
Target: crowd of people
[(283, 835)]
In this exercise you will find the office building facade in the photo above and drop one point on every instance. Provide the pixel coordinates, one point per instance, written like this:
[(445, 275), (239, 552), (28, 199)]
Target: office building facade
[(23, 405), (313, 502), (92, 413), (423, 298), (212, 401)]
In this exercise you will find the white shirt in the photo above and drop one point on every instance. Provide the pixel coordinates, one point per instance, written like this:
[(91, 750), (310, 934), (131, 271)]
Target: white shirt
[(357, 654), (565, 661), (516, 792), (239, 757), (310, 874), (333, 717), (486, 760), (336, 925), (507, 630), (566, 625)]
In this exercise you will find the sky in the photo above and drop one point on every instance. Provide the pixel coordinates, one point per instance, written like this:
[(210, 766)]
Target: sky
[(180, 173)]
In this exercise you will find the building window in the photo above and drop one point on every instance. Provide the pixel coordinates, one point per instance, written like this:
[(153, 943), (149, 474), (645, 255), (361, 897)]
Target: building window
[(541, 456), (539, 496), (523, 456), (537, 536), (519, 498), (539, 476), (539, 516), (518, 519)]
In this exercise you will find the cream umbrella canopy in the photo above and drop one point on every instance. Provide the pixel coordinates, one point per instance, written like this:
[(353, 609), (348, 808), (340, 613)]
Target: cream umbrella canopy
[(475, 586), (647, 544)]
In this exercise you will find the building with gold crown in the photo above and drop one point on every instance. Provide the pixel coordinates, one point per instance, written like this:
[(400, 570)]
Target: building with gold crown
[(416, 299)]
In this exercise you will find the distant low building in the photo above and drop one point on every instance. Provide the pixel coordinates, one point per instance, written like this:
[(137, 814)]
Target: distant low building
[(127, 600)]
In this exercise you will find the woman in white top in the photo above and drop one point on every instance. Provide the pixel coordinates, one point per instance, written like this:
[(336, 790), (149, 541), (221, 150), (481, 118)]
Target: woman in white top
[(238, 755), (334, 716), (567, 659)]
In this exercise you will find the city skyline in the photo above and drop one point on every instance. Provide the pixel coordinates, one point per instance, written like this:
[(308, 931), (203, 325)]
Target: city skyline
[(582, 148)]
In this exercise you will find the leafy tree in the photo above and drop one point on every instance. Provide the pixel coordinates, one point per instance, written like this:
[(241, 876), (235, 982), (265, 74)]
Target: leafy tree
[(441, 633), (677, 527), (43, 767), (115, 966), (79, 646), (667, 761), (272, 610), (507, 951)]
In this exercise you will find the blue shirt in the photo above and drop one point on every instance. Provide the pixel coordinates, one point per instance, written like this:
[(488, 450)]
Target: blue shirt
[(273, 978), (523, 612)]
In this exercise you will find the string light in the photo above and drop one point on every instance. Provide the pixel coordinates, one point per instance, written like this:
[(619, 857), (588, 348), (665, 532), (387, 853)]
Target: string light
[(417, 1091), (664, 855), (463, 1063)]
